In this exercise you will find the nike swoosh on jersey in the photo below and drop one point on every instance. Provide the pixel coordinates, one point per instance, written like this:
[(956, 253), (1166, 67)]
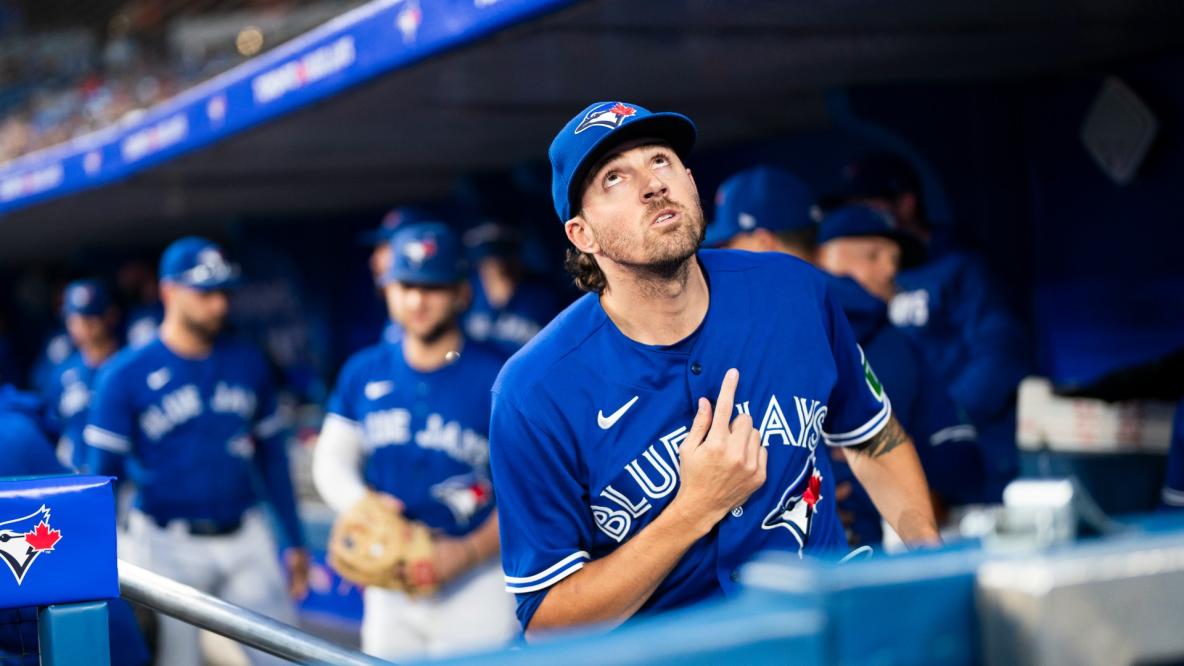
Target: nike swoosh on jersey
[(606, 422), (159, 378), (375, 390)]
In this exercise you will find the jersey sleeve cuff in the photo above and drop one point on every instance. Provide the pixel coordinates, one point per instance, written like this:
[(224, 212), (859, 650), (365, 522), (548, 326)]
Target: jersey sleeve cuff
[(549, 576), (864, 432), (106, 440)]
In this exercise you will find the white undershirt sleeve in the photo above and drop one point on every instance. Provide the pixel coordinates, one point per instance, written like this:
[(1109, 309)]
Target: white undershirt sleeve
[(337, 463)]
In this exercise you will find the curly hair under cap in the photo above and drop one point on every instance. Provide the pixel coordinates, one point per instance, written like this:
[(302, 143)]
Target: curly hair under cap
[(584, 271)]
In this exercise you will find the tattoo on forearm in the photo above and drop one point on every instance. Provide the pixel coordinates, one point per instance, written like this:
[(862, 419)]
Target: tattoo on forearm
[(889, 438)]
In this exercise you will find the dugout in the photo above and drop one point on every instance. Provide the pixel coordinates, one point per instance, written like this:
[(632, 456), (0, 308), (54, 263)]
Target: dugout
[(398, 101)]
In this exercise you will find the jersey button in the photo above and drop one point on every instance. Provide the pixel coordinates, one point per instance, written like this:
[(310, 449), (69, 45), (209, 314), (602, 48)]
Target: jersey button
[(696, 368)]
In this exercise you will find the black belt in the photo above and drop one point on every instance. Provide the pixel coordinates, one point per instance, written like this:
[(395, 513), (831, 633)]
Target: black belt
[(201, 527)]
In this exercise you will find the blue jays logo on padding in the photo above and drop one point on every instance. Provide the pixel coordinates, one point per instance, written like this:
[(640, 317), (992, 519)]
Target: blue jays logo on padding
[(795, 510), (609, 114), (23, 540)]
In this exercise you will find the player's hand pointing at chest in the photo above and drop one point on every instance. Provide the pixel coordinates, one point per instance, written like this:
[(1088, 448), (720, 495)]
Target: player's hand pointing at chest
[(722, 460)]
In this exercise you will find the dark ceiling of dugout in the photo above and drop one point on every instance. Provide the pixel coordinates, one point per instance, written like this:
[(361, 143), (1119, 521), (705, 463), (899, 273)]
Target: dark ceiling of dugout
[(742, 69)]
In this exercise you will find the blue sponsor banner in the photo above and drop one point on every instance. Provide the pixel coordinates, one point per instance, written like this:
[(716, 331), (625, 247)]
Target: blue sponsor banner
[(57, 541), (375, 38)]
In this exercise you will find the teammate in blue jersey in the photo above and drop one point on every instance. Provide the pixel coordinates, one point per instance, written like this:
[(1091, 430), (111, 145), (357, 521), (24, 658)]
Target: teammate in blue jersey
[(863, 246), (90, 321), (27, 450), (509, 307), (951, 305), (770, 210), (192, 417), (410, 420), (622, 488)]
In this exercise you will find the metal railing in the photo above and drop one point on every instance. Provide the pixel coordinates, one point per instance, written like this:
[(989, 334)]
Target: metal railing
[(187, 604)]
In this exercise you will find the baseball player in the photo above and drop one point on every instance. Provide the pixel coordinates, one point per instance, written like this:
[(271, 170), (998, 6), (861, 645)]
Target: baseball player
[(410, 420), (862, 246), (192, 417), (508, 307), (770, 209), (952, 307), (90, 321), (382, 253), (665, 427)]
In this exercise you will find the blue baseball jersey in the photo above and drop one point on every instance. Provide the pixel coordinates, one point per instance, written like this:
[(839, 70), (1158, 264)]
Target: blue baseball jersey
[(142, 324), (952, 308), (532, 305), (425, 435), (27, 451), (68, 397), (1173, 482), (587, 425), (194, 434), (57, 349), (946, 444)]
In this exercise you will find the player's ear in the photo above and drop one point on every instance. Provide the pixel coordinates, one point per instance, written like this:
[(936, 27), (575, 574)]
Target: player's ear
[(579, 232)]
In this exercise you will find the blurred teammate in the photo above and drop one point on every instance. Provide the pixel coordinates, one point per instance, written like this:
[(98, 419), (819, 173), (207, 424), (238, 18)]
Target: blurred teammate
[(621, 488), (192, 417), (410, 419), (862, 246), (508, 307), (951, 305), (90, 320), (138, 287), (769, 209)]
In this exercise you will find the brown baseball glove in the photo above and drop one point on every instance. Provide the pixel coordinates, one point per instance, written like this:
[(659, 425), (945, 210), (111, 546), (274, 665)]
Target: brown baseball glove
[(374, 544)]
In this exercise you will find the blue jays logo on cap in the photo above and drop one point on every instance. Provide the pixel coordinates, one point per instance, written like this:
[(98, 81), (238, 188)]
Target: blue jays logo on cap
[(419, 251), (85, 297), (198, 263), (426, 253), (81, 296), (608, 114), (795, 510), (23, 540)]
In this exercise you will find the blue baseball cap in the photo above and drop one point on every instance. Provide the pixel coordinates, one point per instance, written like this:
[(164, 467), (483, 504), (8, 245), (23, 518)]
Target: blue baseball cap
[(857, 220), (593, 132), (762, 197), (88, 298), (426, 253), (395, 218), (878, 175), (197, 263)]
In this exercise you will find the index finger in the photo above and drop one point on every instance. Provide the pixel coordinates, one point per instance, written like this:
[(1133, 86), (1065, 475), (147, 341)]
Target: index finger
[(727, 395)]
